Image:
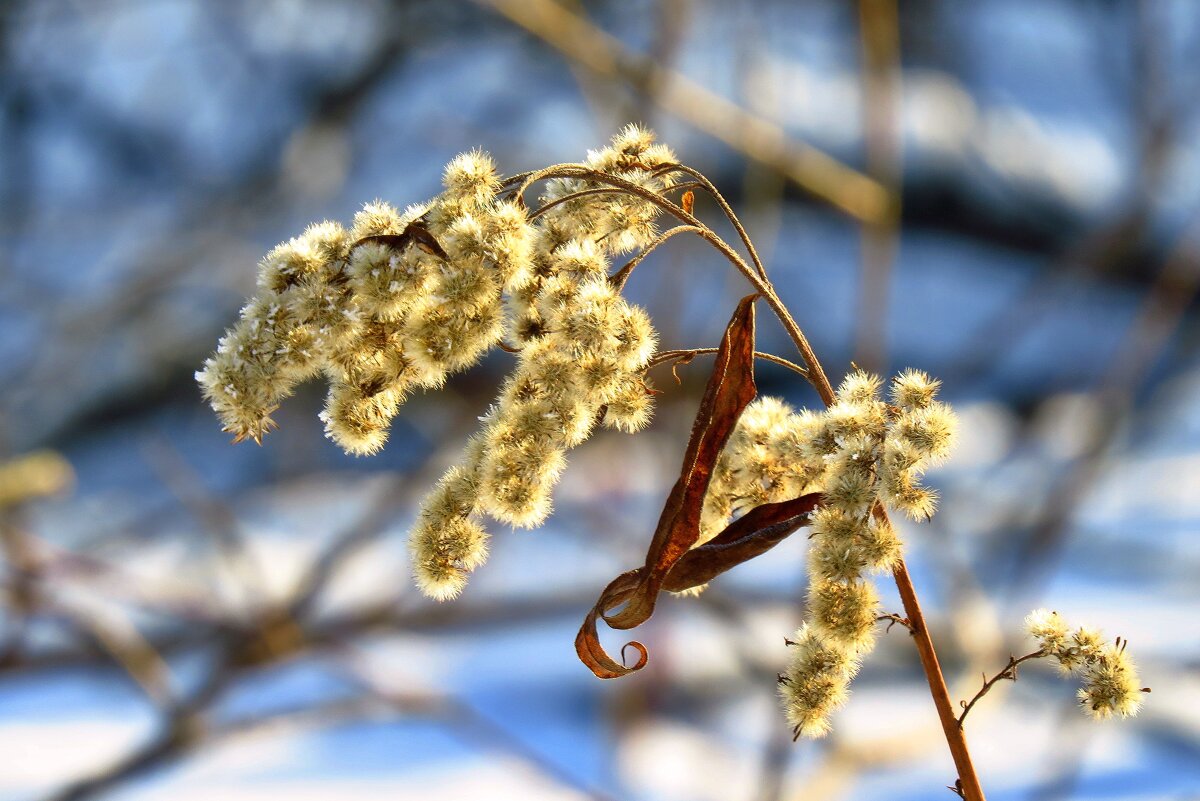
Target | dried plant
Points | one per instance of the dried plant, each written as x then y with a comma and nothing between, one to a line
404,299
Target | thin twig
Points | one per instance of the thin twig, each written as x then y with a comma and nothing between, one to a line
727,210
604,190
618,279
892,618
1009,672
685,356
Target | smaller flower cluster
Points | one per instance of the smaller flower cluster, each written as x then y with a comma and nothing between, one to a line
860,453
1110,680
816,681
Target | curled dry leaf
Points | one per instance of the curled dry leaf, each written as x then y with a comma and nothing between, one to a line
730,389
629,599
751,535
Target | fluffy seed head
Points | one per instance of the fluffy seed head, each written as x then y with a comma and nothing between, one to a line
378,218
855,419
582,259
387,282
930,431
510,244
846,548
849,487
913,389
359,422
1048,628
844,612
443,554
635,337
470,178
815,683
915,501
631,407
859,387
1110,685
1110,680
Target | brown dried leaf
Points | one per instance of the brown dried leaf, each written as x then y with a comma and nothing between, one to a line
587,642
730,389
751,535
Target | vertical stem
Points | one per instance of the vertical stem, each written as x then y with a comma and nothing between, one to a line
971,789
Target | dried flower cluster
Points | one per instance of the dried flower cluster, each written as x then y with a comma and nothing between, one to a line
859,452
1110,680
403,300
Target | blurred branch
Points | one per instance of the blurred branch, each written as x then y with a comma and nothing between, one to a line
1162,311
465,721
34,475
121,640
759,139
214,516
879,28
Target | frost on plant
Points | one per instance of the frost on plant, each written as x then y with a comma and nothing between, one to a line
404,299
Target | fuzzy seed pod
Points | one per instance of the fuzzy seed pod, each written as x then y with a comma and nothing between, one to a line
631,407
930,430
859,387
1048,628
471,181
447,543
1110,685
913,390
844,612
845,547
815,683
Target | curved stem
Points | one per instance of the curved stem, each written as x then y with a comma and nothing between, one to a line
606,190
815,375
686,355
1009,672
709,187
618,279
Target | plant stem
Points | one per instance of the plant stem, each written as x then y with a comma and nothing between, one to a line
684,356
955,739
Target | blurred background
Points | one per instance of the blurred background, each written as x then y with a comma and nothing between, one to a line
1005,193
